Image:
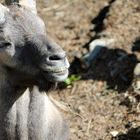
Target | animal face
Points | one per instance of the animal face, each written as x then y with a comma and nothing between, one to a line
26,49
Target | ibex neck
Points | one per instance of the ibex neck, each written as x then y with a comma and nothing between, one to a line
9,108
27,116
8,94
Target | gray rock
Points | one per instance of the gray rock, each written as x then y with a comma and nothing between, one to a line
95,48
137,70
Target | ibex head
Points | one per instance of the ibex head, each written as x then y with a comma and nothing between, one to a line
26,51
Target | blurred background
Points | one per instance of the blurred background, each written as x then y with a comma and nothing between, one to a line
100,99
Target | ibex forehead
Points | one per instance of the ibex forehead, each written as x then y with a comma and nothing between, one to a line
21,23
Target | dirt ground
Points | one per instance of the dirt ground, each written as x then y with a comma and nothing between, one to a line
104,103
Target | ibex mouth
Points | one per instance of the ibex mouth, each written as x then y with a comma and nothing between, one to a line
56,73
55,67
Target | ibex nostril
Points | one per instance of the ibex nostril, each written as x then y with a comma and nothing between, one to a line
55,58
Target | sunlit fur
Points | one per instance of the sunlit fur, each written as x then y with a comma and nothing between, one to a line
26,113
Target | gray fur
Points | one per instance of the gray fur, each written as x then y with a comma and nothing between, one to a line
28,64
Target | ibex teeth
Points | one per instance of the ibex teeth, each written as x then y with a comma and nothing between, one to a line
56,70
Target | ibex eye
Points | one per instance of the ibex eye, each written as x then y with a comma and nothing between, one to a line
4,44
7,44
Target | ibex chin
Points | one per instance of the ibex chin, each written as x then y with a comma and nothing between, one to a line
30,63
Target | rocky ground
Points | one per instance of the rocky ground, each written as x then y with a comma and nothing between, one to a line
104,103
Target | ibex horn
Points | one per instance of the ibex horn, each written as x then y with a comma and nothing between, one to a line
30,4
3,9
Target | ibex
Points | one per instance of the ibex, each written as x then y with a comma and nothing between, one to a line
30,63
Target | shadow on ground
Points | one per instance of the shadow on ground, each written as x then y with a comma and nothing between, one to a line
98,22
136,45
132,134
115,66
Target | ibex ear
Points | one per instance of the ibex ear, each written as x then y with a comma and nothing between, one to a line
30,4
3,9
